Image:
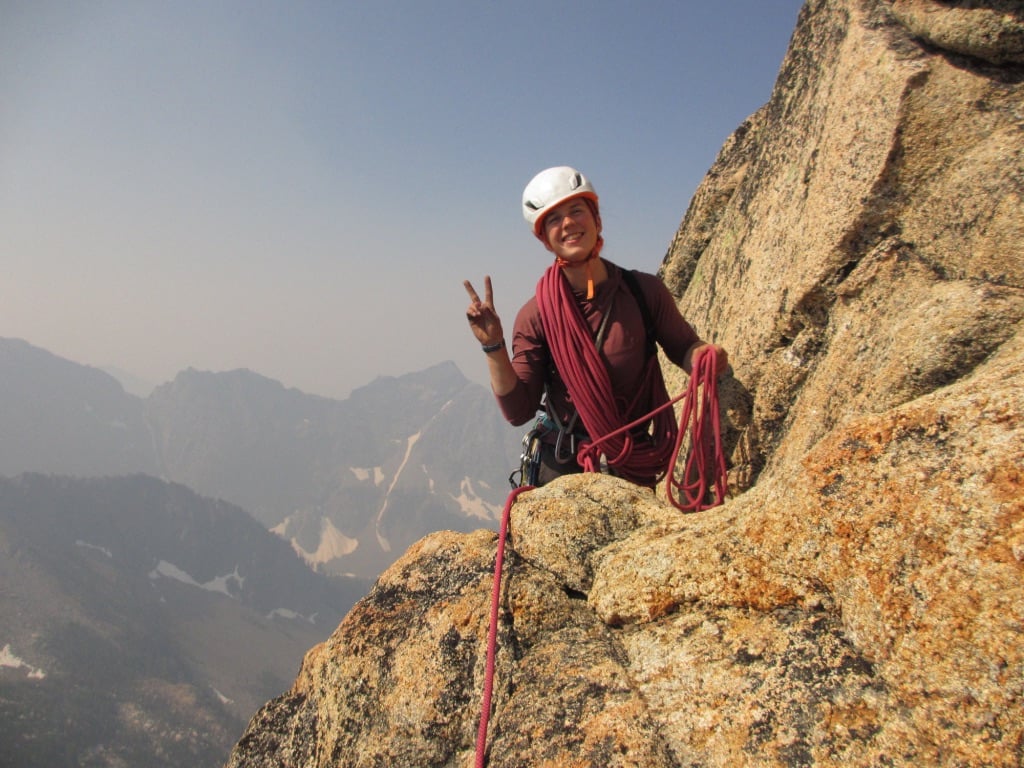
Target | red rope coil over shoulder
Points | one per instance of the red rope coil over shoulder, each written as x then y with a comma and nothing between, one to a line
583,371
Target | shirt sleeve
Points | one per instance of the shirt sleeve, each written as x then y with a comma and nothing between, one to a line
530,360
674,333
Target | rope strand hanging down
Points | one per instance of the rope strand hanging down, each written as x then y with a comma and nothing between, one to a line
492,630
704,467
705,464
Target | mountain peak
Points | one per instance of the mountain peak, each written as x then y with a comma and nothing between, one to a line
442,377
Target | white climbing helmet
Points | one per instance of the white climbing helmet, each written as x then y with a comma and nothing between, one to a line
550,188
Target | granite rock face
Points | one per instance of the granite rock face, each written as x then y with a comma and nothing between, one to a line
857,247
857,243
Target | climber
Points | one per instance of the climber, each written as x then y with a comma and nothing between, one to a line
583,347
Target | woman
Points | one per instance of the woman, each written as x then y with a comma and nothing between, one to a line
585,343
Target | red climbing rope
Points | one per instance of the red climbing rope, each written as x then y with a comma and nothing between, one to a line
492,631
705,460
704,467
579,363
587,379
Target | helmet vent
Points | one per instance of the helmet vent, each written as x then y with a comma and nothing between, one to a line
577,180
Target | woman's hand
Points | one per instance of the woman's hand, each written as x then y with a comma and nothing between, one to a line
486,326
483,319
721,357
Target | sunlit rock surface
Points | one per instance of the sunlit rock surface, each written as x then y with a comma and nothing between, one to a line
859,601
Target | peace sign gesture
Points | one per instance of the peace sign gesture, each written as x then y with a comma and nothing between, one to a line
483,319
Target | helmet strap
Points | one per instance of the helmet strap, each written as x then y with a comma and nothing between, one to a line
563,263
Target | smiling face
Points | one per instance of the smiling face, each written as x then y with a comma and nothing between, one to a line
571,229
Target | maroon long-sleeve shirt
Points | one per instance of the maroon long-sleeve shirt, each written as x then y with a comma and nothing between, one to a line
623,351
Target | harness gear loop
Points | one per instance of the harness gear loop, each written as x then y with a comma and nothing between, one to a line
563,456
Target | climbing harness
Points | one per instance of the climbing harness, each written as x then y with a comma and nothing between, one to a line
528,472
568,437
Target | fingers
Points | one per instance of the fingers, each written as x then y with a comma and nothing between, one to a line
474,296
699,352
723,360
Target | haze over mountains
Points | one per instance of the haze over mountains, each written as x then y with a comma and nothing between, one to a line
147,608
350,482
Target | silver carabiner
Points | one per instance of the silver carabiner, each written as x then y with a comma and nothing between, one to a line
564,430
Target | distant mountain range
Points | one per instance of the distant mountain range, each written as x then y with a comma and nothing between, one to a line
60,417
351,483
166,562
143,624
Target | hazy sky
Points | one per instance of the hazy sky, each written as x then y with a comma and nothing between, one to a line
299,188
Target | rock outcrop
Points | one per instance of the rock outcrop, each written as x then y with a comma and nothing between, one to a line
860,601
857,243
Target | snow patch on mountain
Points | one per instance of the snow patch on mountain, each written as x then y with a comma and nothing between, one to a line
221,697
382,541
363,474
471,503
11,661
87,545
287,613
217,584
332,544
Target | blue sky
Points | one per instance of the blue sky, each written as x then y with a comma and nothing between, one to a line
299,188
